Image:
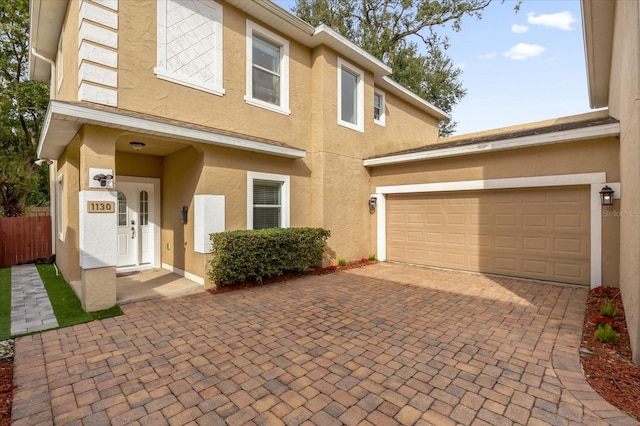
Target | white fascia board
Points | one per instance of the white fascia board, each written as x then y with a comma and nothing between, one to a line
584,133
45,26
79,114
265,10
401,91
325,35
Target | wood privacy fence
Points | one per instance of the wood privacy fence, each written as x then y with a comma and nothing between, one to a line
24,240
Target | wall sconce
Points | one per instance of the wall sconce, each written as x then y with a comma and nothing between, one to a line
137,146
42,161
373,201
103,179
184,213
606,196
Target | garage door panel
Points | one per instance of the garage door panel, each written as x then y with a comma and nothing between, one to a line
540,233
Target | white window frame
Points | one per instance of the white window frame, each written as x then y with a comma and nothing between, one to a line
59,209
383,107
344,65
161,68
283,108
60,63
285,196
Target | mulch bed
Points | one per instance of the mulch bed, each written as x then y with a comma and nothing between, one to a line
6,392
609,369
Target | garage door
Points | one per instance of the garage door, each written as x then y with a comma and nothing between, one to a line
536,233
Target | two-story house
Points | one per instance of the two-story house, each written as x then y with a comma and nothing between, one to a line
172,119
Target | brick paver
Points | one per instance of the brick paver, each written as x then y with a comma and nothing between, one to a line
385,344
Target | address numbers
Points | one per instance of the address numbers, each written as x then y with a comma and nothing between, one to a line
101,206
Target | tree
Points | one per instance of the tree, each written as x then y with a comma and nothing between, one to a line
394,30
23,105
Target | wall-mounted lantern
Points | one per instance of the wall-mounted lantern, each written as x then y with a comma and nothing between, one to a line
184,213
373,201
606,196
102,178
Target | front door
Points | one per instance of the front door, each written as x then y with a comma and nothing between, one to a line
135,225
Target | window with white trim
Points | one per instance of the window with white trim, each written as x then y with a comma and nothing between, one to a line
59,210
267,81
268,200
379,107
190,44
350,96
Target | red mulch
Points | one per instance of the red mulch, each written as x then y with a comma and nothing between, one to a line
6,392
610,370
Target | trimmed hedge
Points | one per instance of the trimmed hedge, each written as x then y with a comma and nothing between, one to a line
249,255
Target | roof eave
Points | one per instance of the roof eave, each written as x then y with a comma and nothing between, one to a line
407,95
584,133
45,26
597,23
63,120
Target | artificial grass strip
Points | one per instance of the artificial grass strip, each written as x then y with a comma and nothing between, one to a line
65,303
5,303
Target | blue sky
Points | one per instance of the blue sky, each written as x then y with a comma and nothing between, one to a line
518,67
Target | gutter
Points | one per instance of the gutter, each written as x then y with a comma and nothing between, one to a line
52,89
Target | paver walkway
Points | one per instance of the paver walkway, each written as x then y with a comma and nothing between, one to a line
385,344
30,306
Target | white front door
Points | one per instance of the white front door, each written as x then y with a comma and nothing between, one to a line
136,219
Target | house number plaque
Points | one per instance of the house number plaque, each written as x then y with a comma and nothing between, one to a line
101,206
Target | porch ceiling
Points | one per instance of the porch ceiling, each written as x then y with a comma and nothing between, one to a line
64,120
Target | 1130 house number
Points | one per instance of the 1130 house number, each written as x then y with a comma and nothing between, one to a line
101,206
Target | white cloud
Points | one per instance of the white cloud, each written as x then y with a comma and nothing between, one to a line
487,55
519,29
522,51
560,20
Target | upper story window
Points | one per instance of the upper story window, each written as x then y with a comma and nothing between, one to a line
378,107
268,198
350,96
267,69
190,44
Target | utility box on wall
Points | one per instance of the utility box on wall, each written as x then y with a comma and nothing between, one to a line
208,217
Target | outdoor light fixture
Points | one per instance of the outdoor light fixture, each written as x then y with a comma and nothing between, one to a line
184,214
606,196
103,179
372,204
42,161
137,146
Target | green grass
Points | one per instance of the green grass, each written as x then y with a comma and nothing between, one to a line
5,303
66,305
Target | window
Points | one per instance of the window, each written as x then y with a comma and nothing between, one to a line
350,96
59,198
144,208
378,107
190,44
122,209
267,69
267,200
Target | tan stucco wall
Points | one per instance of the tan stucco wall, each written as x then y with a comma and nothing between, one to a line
128,164
624,104
67,248
598,155
68,90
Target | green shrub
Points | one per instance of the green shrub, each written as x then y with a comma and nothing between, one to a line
608,310
372,257
252,255
606,334
342,262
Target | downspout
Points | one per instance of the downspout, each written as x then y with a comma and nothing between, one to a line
52,91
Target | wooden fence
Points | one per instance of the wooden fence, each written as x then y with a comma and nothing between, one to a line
37,211
24,240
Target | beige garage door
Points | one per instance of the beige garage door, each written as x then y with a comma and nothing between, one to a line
533,233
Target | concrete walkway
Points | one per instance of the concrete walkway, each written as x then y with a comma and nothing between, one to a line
30,306
381,345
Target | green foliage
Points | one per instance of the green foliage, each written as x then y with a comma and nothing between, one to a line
372,257
252,255
342,262
64,301
5,303
606,334
608,310
394,31
23,106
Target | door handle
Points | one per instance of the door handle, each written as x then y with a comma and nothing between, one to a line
133,232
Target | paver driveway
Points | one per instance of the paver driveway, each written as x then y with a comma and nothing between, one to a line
384,344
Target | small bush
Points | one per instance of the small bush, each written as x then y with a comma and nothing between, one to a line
372,257
342,262
608,310
252,255
606,334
